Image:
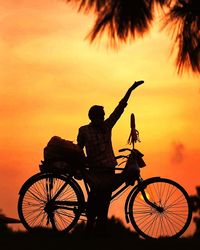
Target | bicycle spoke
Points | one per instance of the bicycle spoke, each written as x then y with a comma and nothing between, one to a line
37,207
170,214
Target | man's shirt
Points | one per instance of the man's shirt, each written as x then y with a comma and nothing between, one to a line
97,141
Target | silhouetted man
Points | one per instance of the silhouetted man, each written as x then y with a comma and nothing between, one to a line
96,138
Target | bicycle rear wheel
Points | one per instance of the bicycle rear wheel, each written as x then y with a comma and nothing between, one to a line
172,216
38,208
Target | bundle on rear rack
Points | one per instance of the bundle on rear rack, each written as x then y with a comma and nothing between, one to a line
62,155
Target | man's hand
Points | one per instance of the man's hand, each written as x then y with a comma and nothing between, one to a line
136,84
128,93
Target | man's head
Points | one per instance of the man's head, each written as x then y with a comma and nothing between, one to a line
96,114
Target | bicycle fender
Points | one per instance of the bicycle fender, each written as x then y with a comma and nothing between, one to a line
31,179
23,187
143,183
35,176
127,203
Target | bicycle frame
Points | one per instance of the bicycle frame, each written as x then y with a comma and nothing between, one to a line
70,204
141,185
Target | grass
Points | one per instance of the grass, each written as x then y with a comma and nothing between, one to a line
120,238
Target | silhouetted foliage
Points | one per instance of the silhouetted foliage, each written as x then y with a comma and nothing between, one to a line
195,199
115,229
4,228
126,19
119,238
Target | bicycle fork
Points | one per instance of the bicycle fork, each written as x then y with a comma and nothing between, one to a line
158,208
141,186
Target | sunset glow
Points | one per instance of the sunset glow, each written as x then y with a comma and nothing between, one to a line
51,75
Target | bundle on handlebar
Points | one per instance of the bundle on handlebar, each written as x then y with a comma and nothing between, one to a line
135,155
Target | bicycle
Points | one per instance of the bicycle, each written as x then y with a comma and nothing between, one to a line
156,207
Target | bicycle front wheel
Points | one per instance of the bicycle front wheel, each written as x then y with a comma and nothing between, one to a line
171,215
38,207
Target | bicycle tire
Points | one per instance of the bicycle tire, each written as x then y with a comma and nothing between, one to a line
36,195
174,217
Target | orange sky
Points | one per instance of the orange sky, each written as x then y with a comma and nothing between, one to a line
50,76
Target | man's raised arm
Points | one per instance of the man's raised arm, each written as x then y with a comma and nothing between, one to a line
128,93
112,119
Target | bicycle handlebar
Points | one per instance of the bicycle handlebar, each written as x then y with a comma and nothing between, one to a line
121,156
125,149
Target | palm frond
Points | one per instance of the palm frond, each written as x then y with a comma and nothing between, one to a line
184,21
163,2
123,19
120,18
88,5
